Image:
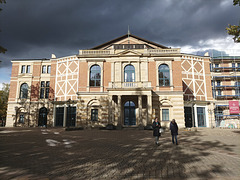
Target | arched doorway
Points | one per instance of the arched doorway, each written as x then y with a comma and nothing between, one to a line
129,113
42,119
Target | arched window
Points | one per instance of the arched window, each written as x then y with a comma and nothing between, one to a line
164,75
95,76
24,91
129,73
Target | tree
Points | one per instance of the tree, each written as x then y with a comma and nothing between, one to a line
2,49
4,102
234,30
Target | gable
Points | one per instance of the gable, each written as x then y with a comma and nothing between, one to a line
129,41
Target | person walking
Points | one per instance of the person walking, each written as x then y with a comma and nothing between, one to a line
174,131
156,127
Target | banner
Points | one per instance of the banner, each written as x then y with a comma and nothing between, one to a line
234,107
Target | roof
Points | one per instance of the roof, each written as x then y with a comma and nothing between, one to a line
126,36
43,59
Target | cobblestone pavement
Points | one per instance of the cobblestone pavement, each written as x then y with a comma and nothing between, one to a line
35,153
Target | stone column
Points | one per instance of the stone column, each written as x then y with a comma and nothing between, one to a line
65,115
140,110
110,110
195,114
119,110
149,109
54,114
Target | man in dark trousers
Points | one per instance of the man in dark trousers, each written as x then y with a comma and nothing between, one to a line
156,126
174,130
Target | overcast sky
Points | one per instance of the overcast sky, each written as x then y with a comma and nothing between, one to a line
36,29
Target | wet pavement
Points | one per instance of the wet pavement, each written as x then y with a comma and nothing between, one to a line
53,153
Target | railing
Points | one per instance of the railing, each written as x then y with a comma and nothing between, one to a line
226,87
129,85
226,77
95,52
225,69
148,51
164,51
227,96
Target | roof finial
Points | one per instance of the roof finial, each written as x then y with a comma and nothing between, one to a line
128,34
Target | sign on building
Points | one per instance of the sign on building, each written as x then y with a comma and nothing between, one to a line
234,107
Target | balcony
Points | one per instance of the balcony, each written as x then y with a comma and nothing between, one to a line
126,85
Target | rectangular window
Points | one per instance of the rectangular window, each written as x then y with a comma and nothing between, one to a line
233,65
214,93
211,67
216,65
44,69
28,69
44,89
49,69
94,114
237,91
213,83
238,66
47,89
219,92
165,114
21,118
23,70
218,83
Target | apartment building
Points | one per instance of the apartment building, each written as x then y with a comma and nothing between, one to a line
125,82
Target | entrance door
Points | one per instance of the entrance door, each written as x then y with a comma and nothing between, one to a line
59,116
42,120
129,113
188,116
201,117
71,116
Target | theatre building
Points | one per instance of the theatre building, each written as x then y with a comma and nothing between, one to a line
125,82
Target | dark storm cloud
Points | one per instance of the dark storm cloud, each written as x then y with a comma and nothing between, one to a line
35,29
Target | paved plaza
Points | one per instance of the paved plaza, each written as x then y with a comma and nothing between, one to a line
38,153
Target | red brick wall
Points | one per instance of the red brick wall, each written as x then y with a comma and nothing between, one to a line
208,79
152,74
177,75
83,73
106,75
13,84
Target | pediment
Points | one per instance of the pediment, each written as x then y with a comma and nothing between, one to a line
129,52
129,39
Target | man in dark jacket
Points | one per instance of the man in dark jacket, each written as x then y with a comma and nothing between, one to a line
174,130
156,127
